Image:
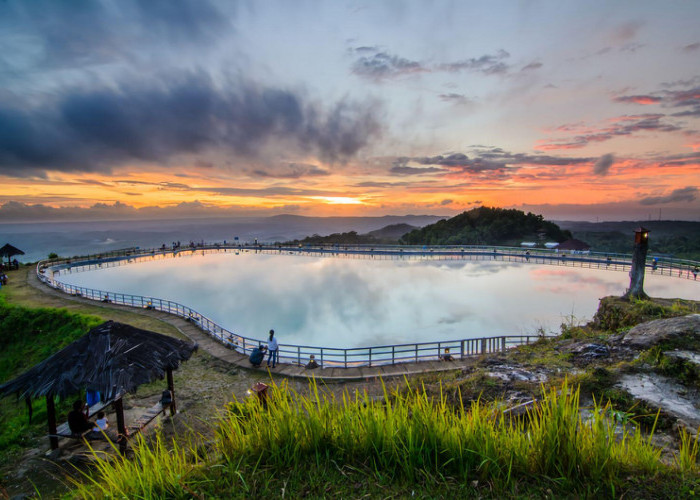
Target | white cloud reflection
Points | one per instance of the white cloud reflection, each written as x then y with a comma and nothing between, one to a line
352,303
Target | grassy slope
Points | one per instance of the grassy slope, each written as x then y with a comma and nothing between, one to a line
211,471
32,327
407,445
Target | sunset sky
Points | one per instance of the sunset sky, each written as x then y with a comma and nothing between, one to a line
573,109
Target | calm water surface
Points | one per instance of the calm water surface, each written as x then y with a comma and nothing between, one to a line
341,302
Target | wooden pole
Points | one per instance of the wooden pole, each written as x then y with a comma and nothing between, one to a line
51,414
121,428
639,258
171,388
28,400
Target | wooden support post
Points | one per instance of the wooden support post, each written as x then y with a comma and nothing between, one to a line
51,414
28,400
171,388
121,427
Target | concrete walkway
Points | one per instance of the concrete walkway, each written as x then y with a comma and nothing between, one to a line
218,350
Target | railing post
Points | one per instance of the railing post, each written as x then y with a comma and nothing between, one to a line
393,356
461,349
416,353
503,344
345,352
322,356
483,346
370,357
299,355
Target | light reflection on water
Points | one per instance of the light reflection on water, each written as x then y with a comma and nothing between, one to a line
355,303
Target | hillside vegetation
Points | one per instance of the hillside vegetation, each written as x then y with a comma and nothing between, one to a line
385,236
28,336
677,238
487,226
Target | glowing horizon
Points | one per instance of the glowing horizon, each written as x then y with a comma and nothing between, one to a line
240,111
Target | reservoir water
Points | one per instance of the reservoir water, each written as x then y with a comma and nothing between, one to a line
344,302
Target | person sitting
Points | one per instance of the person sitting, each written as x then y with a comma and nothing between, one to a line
78,420
312,363
101,423
166,401
257,356
447,356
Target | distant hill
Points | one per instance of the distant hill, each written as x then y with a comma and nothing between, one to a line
670,237
392,232
487,226
385,236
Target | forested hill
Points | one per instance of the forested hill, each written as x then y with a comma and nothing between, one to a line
487,226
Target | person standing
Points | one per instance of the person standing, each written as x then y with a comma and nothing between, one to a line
272,348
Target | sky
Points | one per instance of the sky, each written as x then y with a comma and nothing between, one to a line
165,108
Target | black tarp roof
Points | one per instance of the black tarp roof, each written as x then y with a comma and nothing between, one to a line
113,358
8,251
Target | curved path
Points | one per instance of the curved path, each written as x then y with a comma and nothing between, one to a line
216,349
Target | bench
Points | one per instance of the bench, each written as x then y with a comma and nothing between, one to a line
147,417
64,431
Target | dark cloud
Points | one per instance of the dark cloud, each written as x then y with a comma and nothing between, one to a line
532,66
691,47
406,170
375,184
687,194
625,125
602,166
381,65
639,99
73,34
293,171
680,160
458,99
494,162
688,98
446,202
378,65
488,64
97,129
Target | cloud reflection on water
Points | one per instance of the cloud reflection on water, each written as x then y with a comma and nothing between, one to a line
344,302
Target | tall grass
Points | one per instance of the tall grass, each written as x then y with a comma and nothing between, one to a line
409,436
406,436
156,470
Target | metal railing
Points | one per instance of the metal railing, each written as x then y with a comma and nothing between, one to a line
343,357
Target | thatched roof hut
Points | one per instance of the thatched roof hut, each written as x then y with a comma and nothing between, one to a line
9,251
112,358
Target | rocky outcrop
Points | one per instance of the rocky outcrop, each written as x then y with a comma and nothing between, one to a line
651,333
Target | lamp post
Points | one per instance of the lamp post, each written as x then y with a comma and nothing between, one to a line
639,258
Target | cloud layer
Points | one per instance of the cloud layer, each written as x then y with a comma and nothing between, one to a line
97,129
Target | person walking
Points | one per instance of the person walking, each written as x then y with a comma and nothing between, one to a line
272,348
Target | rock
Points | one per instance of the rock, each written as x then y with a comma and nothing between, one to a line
692,357
587,351
664,393
511,373
54,454
651,333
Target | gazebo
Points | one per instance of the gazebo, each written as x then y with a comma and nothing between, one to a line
112,358
9,251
